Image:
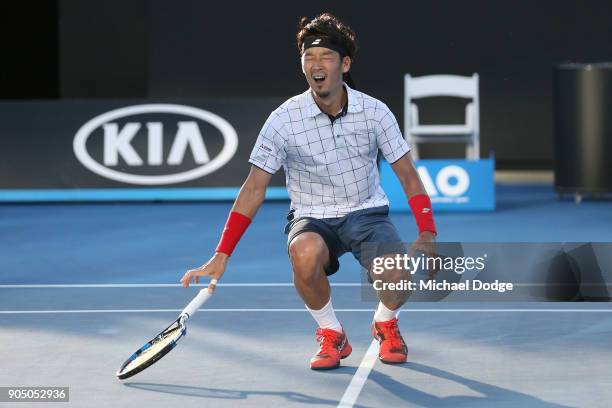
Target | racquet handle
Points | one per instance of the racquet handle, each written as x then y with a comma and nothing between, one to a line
197,301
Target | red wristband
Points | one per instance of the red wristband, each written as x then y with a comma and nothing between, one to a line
423,213
234,228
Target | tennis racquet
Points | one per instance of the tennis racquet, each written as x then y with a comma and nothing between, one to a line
165,341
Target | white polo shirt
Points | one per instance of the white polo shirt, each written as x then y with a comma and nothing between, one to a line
330,168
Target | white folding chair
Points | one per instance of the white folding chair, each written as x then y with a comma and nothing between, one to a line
442,85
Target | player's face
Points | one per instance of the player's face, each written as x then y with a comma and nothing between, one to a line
323,69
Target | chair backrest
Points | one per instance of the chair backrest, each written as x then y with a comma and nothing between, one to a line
441,85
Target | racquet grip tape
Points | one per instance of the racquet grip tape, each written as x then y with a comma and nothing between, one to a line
197,301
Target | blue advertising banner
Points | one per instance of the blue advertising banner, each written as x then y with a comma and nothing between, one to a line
452,185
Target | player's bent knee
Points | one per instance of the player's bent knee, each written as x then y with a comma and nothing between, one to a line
306,247
307,251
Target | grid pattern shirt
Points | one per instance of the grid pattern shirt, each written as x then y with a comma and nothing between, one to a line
330,168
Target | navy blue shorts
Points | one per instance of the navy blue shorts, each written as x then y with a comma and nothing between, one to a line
370,226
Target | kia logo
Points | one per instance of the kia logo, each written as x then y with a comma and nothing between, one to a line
117,142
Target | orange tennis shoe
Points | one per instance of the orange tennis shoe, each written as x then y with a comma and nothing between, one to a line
333,346
393,349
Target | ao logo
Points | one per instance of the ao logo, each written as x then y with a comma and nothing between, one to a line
443,184
117,142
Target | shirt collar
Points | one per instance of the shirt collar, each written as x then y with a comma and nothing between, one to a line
354,104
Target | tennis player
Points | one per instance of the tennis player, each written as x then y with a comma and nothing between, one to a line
327,140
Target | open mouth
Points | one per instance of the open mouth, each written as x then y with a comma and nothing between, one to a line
319,78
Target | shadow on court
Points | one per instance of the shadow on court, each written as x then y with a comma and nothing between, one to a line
492,395
229,394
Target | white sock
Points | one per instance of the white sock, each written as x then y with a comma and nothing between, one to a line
326,318
384,314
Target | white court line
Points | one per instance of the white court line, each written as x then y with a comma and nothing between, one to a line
304,310
361,375
163,310
176,285
153,285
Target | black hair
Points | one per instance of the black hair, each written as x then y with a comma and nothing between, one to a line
329,26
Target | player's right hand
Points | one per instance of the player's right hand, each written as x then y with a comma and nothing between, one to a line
426,243
215,267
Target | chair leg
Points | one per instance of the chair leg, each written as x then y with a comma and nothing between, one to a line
477,147
472,151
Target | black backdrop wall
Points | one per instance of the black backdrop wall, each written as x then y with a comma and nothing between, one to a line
194,48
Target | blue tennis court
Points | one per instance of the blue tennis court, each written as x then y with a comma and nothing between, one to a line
82,285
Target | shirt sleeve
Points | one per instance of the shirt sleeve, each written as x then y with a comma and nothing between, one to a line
388,135
269,152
